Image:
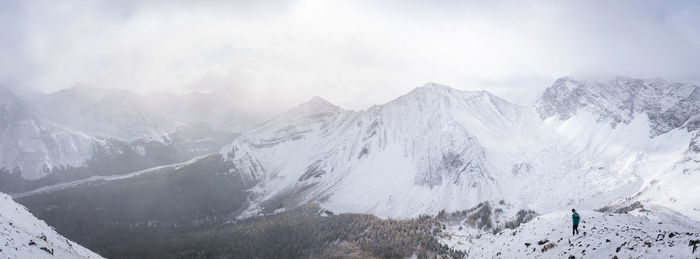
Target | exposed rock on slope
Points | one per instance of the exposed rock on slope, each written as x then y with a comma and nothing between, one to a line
24,236
618,100
641,234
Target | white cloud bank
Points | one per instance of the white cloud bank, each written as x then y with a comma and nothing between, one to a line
354,53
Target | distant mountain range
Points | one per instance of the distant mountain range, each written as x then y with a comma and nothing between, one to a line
585,144
85,131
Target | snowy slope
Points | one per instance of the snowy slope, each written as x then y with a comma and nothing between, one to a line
83,131
655,233
24,236
584,145
105,112
434,148
649,131
621,99
676,187
34,145
348,158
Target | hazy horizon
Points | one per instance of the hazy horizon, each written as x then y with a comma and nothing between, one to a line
352,53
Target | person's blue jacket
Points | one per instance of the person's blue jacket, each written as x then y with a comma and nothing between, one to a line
576,218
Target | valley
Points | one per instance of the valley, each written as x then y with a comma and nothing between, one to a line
466,172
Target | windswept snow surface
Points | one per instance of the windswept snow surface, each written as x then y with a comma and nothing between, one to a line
24,236
585,145
655,233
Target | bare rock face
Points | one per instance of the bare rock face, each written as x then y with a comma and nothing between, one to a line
620,99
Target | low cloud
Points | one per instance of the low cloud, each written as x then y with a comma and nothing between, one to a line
354,53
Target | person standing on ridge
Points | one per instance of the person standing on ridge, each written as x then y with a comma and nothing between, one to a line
576,219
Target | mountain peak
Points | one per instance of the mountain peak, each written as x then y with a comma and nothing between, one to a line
314,105
317,100
442,91
84,91
432,85
318,103
610,81
430,89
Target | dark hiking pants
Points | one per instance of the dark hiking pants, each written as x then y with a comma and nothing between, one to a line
575,231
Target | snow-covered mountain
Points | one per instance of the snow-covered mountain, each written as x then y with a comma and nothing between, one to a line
396,159
25,236
114,113
642,129
105,112
619,100
35,146
84,131
585,144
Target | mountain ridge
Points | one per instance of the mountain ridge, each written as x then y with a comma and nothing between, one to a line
84,131
434,150
438,147
501,120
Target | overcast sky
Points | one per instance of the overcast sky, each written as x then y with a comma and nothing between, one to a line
353,53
